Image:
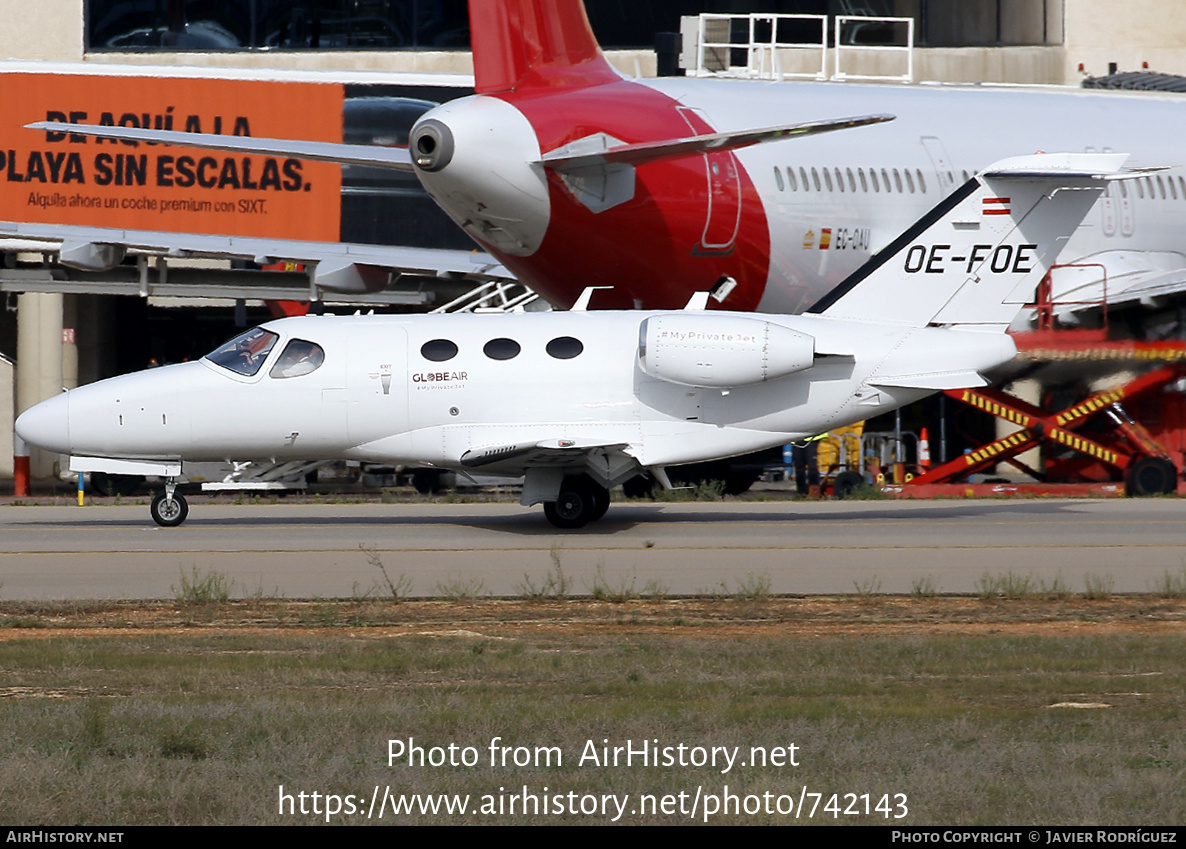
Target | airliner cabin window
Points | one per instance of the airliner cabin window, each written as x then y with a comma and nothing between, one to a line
299,357
565,347
501,349
791,179
245,353
438,350
778,178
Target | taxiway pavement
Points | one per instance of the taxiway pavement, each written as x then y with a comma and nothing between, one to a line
332,550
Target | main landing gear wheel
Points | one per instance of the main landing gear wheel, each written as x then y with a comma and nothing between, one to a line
169,511
580,502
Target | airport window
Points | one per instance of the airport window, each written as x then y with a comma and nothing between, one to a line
245,353
565,348
791,179
438,350
778,179
501,349
299,357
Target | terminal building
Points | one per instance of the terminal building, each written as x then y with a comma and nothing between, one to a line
72,316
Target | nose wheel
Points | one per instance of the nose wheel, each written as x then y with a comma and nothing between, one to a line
169,508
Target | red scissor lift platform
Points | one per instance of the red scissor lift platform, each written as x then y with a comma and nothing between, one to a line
1129,439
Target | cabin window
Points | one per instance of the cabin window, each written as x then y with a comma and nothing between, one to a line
803,179
864,183
852,181
828,180
909,182
839,180
1123,189
501,349
245,353
1140,188
791,179
778,179
1160,187
885,180
815,178
565,347
873,178
438,350
898,180
922,184
299,357
1173,189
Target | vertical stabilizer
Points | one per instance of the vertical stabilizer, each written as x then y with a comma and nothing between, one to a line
976,258
522,44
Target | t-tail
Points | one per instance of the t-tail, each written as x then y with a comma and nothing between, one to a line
977,257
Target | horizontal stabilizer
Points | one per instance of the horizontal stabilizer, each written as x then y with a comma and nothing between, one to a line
343,154
579,156
1046,166
935,382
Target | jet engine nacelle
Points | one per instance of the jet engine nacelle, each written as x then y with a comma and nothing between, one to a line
707,350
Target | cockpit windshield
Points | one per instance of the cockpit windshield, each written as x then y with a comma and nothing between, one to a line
298,357
246,353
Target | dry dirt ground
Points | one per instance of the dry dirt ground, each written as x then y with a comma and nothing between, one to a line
724,617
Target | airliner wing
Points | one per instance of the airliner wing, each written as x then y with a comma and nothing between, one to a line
373,156
343,268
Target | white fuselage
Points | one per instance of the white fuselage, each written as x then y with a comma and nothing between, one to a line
377,397
941,135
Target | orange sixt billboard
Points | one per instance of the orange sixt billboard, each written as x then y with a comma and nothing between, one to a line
64,178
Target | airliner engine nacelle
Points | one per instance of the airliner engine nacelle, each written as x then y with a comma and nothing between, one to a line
479,159
720,351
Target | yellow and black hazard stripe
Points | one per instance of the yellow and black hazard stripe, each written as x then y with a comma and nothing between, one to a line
978,401
1084,446
999,447
1089,406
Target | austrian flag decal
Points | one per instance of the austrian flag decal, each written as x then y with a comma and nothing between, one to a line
996,206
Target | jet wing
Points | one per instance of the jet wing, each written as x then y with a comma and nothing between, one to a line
373,156
553,453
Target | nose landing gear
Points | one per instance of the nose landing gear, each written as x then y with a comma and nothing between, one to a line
169,508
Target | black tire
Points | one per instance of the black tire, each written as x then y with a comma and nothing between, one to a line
846,483
427,481
601,494
169,512
577,504
1151,476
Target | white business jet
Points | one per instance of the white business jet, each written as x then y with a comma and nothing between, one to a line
580,401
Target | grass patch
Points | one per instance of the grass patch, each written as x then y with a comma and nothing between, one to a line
1010,585
1097,587
1171,585
202,589
923,587
753,587
617,591
461,590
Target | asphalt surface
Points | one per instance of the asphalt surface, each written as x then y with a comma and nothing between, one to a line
333,550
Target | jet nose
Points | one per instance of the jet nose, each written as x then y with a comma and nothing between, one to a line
47,425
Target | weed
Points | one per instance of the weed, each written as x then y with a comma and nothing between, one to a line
752,586
184,745
1171,586
198,589
1010,585
400,588
656,590
1058,589
867,492
923,587
1098,587
705,490
456,590
868,588
617,593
